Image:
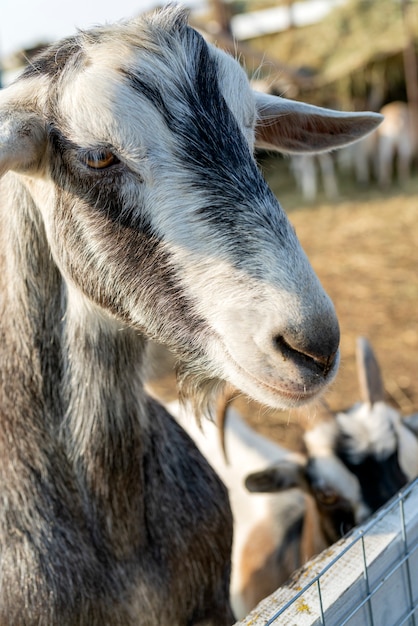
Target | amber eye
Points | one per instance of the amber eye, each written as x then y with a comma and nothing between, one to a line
328,497
100,159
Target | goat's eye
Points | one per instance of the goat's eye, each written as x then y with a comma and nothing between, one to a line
100,159
327,497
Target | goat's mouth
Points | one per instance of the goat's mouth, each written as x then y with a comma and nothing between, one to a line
281,393
298,396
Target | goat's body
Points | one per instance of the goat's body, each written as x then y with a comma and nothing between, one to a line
397,141
88,465
267,544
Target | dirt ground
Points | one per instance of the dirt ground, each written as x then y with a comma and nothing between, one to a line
364,248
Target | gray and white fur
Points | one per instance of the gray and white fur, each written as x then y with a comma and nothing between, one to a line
132,207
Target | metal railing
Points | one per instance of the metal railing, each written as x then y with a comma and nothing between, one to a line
369,578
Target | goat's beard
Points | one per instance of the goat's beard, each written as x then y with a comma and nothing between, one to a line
191,376
197,389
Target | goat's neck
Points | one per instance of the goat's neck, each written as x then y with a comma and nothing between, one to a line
74,375
102,387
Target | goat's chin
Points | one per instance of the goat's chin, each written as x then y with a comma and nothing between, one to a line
285,387
285,399
281,396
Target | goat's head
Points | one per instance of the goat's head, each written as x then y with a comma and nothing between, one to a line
136,143
336,511
314,517
370,440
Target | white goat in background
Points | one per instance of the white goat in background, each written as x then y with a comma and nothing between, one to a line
397,142
385,156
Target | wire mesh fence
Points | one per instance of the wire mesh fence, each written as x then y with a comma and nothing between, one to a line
369,578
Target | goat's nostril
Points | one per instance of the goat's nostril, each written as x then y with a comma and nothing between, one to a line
326,362
323,362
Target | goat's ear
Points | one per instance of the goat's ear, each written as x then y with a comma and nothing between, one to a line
411,422
368,370
22,141
278,477
291,126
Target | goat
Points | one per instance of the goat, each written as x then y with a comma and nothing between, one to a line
289,506
397,137
274,533
371,439
394,142
357,460
129,196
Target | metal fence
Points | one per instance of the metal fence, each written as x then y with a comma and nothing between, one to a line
369,578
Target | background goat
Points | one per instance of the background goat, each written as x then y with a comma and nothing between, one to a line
397,142
301,503
130,196
371,439
273,533
386,155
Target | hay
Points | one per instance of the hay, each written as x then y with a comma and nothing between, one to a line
357,33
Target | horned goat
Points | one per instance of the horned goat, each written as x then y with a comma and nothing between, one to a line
371,438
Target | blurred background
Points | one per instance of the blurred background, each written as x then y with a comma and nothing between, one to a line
355,211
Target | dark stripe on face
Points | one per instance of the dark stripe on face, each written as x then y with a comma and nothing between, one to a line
211,147
152,93
209,138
